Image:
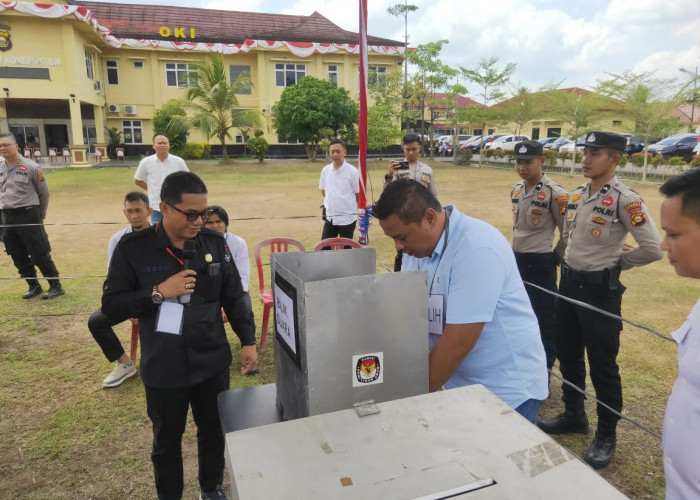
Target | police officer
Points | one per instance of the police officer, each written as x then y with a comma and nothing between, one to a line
539,207
598,217
24,198
410,168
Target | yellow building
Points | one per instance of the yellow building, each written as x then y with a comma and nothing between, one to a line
70,70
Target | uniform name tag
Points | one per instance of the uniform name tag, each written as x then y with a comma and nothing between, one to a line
436,313
170,318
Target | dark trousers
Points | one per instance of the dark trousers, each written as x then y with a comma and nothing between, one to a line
540,269
167,409
28,245
332,231
580,329
101,328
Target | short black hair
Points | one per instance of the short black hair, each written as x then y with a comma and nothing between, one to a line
11,136
132,196
686,185
407,199
410,137
179,183
221,212
338,141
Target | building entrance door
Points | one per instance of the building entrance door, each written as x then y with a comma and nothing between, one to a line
56,136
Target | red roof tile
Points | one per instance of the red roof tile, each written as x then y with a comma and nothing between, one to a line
221,26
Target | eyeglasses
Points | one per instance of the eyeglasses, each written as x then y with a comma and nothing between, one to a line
6,145
193,216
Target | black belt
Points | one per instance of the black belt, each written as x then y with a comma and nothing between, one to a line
590,277
18,210
534,257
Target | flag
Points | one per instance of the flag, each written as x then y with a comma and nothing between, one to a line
362,215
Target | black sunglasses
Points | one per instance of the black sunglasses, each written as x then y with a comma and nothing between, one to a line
193,216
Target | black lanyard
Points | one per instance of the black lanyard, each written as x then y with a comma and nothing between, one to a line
448,212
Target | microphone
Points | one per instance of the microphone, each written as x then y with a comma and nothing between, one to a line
189,251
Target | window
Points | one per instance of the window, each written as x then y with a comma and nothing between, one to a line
287,141
88,65
133,133
617,123
239,139
237,71
333,73
287,75
112,73
376,74
180,75
138,64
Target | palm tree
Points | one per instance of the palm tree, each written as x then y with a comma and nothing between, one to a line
213,101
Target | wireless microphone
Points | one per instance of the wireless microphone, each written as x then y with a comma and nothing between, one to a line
189,251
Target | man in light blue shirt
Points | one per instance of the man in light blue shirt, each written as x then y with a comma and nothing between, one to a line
482,328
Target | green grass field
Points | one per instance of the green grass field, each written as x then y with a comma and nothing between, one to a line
66,437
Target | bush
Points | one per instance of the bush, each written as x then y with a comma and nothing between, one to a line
637,159
657,160
488,153
676,161
499,153
465,155
196,151
695,162
258,146
623,160
551,158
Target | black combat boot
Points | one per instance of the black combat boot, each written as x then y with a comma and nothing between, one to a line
568,422
601,451
34,289
55,290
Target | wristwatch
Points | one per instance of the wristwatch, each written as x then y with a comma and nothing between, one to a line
157,296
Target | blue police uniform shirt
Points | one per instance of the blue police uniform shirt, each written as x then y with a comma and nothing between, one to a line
479,279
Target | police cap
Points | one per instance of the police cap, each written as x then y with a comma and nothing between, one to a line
606,140
526,150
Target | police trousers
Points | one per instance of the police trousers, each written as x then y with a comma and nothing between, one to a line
167,409
579,330
540,269
28,245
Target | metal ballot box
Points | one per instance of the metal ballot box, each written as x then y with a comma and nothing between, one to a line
460,443
344,334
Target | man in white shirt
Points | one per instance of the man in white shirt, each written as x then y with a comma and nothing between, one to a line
136,211
680,218
340,185
153,169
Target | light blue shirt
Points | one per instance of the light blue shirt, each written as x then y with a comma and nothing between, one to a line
479,279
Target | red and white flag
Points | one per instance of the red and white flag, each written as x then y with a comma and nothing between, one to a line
363,217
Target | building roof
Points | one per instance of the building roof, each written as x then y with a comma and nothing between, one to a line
446,101
221,26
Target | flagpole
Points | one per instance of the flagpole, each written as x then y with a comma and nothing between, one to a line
363,216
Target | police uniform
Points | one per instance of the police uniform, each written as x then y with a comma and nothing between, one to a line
24,197
185,369
537,213
419,172
597,224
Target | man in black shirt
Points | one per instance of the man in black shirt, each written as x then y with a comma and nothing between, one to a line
185,355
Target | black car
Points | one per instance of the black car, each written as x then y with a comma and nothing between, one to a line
676,145
635,144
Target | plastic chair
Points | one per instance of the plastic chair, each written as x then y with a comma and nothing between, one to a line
53,155
276,245
27,153
120,154
134,341
37,155
66,155
336,244
98,155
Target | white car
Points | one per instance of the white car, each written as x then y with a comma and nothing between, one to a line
506,142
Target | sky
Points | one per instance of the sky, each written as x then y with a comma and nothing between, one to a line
571,43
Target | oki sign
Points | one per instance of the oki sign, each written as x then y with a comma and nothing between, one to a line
176,32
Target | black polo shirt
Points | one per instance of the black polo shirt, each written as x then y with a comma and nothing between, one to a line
146,258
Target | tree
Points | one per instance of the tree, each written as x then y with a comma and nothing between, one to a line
258,145
311,105
403,10
383,127
648,101
491,80
212,99
171,120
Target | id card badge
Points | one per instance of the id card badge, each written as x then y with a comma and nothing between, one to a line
436,313
169,318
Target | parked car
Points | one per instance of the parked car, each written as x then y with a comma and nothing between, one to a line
547,141
676,145
507,142
464,144
475,145
696,149
557,143
635,144
568,147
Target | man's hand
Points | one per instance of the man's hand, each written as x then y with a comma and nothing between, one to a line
627,248
182,283
249,358
393,166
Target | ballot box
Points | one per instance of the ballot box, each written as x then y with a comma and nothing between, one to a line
345,334
460,443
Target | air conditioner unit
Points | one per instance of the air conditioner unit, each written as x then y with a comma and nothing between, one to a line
130,109
99,86
113,108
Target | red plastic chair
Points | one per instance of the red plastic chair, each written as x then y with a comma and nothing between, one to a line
120,154
336,244
66,155
53,155
27,153
37,155
98,155
276,245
